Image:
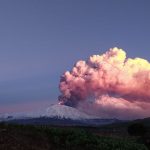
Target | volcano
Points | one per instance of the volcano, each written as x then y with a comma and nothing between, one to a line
53,111
57,115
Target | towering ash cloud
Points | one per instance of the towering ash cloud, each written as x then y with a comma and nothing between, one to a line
109,85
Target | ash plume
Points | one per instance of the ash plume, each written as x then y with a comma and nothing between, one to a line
108,85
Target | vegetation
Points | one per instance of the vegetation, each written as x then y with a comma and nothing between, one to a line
137,129
29,137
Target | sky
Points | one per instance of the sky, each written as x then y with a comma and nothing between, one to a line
41,39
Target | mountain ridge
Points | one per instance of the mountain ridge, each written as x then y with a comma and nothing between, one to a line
53,111
57,115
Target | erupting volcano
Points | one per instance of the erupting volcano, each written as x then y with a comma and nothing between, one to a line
108,85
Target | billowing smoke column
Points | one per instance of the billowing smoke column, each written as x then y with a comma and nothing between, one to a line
108,85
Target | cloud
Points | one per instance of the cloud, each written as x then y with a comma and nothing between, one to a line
110,85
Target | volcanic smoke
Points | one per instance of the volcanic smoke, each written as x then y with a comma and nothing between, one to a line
108,85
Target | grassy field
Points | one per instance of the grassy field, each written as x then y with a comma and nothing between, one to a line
29,137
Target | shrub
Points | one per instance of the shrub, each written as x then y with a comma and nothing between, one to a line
137,129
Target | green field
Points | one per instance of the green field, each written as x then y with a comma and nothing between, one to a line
29,137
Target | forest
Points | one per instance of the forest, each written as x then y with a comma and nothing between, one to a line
32,137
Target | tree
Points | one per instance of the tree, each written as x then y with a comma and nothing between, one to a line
137,129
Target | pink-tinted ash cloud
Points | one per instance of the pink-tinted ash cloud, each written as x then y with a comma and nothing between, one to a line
109,85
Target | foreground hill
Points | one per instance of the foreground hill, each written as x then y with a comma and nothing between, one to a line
29,137
125,124
145,121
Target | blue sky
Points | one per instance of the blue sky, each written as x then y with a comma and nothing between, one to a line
40,39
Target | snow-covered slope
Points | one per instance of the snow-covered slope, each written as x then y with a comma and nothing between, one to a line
62,111
54,111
